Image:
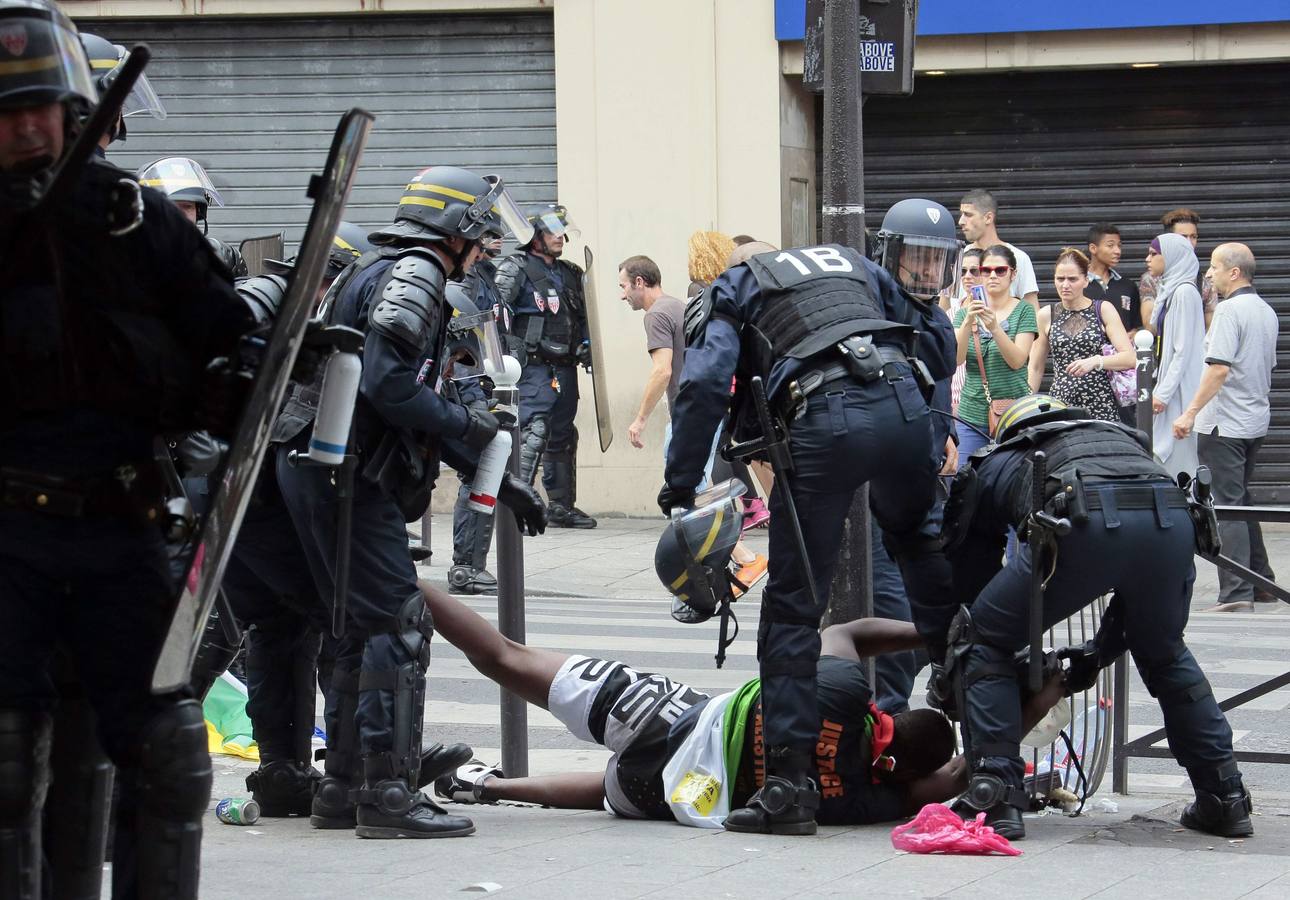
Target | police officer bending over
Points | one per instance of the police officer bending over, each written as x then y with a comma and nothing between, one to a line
1123,509
402,427
548,327
110,311
839,345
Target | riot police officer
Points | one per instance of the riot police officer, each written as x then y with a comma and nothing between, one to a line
106,59
186,183
843,354
472,531
402,427
111,309
544,298
1122,508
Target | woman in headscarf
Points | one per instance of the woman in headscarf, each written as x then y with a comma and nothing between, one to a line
1178,320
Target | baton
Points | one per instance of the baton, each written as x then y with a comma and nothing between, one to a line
1037,536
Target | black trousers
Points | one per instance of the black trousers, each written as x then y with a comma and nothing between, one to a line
1231,460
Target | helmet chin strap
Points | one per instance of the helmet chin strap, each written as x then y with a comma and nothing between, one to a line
459,259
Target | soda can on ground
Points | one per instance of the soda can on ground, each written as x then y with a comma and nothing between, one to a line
238,811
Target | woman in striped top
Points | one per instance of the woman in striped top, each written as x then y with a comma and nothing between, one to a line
1004,329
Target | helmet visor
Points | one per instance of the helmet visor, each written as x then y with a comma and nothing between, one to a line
181,178
559,224
143,100
45,61
926,266
499,204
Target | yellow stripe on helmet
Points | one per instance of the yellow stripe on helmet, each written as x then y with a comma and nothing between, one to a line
708,540
104,63
423,201
440,189
344,244
1025,407
26,66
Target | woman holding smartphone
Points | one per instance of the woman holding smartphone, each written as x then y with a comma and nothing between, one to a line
995,331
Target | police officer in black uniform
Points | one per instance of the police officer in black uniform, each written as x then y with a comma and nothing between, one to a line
110,312
548,327
845,355
106,59
402,427
1123,509
472,531
186,183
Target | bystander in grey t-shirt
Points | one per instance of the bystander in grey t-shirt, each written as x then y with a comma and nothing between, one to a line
1243,336
665,328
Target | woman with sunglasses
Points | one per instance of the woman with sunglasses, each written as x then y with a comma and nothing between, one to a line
1075,330
969,277
1002,330
1178,319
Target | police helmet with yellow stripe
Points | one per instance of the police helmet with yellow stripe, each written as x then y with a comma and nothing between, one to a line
693,554
106,60
1035,409
41,57
446,201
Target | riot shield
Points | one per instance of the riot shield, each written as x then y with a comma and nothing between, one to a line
256,250
231,491
599,386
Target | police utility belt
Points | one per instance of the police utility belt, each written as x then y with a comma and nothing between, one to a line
132,492
1077,499
861,361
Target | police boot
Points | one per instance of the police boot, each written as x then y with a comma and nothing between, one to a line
785,804
1001,803
469,580
283,787
1222,805
332,807
389,808
560,484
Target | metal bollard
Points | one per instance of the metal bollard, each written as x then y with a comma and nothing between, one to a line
1144,342
510,597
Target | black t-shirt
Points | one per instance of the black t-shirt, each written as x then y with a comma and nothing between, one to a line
843,755
1121,293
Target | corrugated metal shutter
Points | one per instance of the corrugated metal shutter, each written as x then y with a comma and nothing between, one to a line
255,102
1062,150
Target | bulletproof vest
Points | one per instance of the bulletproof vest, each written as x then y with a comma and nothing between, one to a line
554,334
1087,450
812,298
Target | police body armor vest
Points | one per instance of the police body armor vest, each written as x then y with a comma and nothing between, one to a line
552,335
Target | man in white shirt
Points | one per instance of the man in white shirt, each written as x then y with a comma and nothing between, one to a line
1230,411
977,213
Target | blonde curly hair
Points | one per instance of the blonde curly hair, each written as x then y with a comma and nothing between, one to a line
709,251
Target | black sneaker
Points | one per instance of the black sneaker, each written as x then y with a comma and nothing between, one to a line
568,517
466,784
1226,816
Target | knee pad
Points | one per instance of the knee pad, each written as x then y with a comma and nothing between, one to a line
414,627
24,764
174,775
533,441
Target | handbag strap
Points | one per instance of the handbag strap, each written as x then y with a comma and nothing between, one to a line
980,363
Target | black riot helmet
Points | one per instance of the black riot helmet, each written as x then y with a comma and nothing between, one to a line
693,554
41,57
106,60
1036,409
550,218
349,243
919,245
181,178
446,201
230,256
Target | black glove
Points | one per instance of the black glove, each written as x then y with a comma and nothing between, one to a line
1085,664
225,389
940,691
583,355
670,497
481,428
524,501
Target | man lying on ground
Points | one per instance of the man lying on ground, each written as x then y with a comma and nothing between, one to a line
871,767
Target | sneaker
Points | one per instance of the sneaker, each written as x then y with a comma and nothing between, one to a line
750,573
568,517
467,783
756,515
1232,606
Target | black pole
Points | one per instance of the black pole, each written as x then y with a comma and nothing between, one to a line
1120,674
851,594
510,605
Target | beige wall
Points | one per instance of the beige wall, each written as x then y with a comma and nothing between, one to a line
667,120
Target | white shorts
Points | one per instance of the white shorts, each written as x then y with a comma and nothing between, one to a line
630,713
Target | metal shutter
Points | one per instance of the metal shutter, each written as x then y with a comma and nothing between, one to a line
255,102
1062,150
